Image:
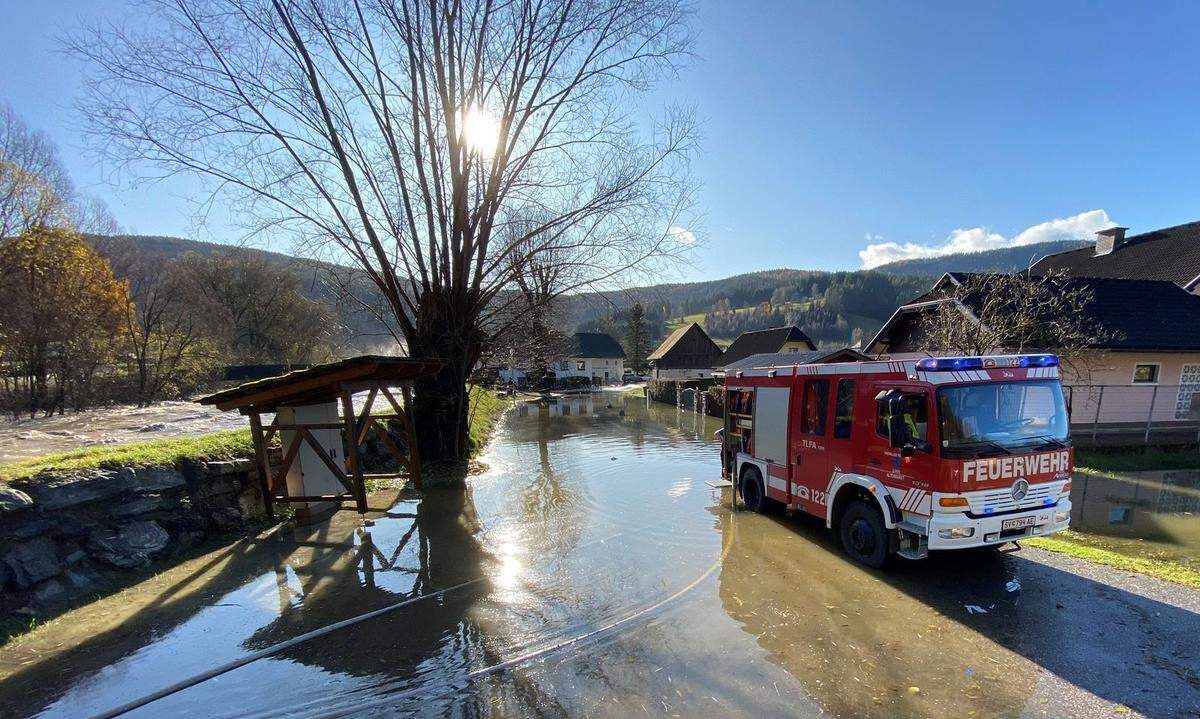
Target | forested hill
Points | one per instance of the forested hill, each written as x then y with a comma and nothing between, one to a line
834,308
1005,259
356,329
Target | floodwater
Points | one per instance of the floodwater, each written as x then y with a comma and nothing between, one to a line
119,424
1155,514
591,572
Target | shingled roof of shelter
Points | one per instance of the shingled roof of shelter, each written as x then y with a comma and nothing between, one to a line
321,382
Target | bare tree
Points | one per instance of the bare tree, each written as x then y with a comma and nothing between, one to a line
35,189
254,308
411,138
167,344
988,313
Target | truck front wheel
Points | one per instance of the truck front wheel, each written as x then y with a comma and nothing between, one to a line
753,493
863,535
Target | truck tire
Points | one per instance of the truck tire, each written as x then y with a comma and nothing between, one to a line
864,536
753,493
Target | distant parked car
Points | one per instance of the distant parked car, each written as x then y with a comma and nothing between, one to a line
630,377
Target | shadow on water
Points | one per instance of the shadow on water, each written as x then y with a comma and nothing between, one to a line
263,591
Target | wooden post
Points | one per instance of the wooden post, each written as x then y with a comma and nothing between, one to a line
414,457
353,457
1096,423
263,459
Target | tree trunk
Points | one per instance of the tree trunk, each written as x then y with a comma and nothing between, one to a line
440,406
440,402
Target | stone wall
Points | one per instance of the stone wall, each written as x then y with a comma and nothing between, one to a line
68,535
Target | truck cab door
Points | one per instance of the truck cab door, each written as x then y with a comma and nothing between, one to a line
904,459
808,444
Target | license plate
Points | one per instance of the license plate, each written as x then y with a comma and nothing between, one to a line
1017,523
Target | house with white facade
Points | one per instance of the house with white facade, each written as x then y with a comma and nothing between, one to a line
597,356
1146,367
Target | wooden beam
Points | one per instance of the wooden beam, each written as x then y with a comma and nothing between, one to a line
288,458
261,457
382,433
299,387
359,386
363,427
337,471
316,498
353,457
414,456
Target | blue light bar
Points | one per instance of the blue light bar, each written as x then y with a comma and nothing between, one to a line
1039,360
949,364
955,364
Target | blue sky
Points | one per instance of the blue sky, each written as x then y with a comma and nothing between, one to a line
832,126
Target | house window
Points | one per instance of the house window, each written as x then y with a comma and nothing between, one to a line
1146,373
563,366
581,365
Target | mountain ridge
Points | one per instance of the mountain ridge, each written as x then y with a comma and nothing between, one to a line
834,306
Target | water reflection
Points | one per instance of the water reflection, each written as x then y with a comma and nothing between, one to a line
1163,507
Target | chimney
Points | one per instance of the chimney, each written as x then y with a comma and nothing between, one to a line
1111,239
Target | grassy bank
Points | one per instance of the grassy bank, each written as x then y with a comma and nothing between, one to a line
1143,558
485,411
156,452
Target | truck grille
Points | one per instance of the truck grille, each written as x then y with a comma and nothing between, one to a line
1000,500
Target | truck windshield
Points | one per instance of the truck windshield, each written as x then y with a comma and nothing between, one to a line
1001,418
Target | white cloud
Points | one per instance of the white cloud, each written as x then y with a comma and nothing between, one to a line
682,235
976,239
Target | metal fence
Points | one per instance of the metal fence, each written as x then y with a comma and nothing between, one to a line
1134,414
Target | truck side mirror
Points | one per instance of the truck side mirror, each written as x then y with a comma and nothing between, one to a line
896,430
895,427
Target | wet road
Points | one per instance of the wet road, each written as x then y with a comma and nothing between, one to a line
597,575
119,424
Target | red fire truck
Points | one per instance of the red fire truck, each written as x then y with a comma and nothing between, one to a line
904,457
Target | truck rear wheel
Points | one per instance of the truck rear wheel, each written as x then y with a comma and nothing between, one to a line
753,492
863,534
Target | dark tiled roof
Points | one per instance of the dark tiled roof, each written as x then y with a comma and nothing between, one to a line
1171,254
764,341
1135,314
597,344
787,359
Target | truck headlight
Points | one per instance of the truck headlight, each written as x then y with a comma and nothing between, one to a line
1060,517
956,532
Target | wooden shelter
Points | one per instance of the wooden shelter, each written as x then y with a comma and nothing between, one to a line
305,407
